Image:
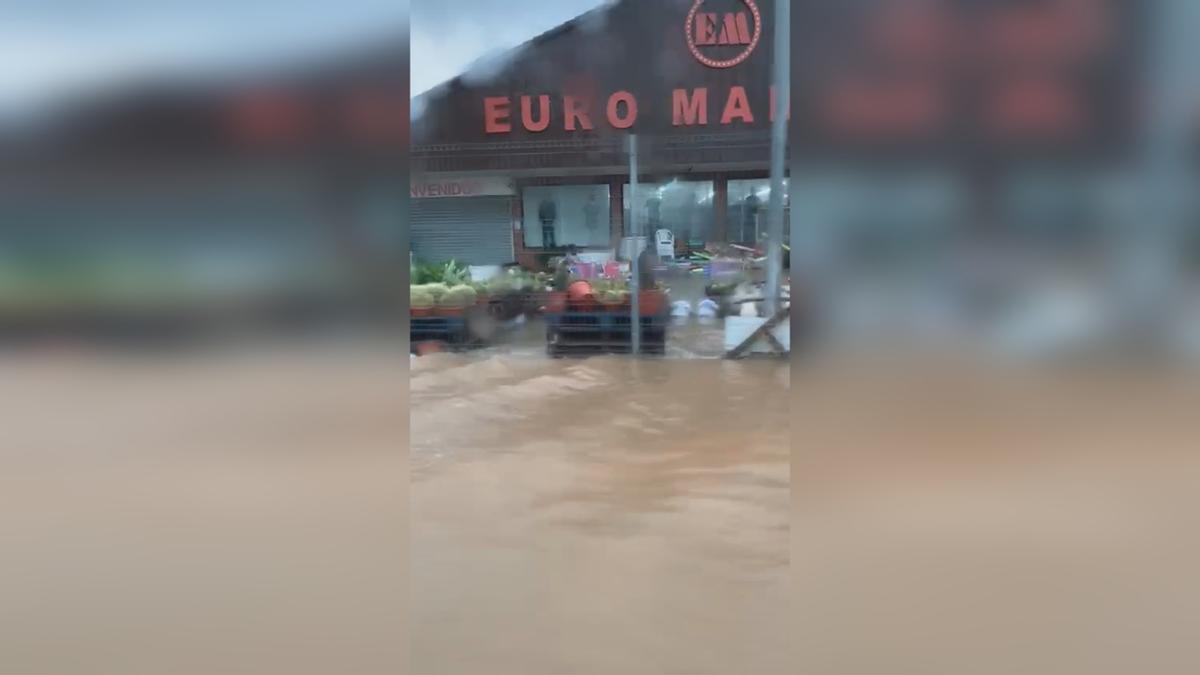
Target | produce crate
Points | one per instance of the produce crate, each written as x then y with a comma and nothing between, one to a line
589,330
508,306
449,331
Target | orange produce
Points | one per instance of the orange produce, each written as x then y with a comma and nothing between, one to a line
579,291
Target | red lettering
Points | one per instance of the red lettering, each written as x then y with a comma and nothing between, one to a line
1034,107
706,24
735,31
743,29
543,121
495,115
689,113
737,106
789,108
574,112
631,110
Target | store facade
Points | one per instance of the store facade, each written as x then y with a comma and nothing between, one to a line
468,219
690,79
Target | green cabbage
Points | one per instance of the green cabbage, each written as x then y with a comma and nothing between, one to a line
419,297
458,296
436,291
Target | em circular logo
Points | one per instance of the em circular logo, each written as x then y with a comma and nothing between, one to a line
720,31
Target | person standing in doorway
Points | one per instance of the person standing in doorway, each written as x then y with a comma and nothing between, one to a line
548,214
647,261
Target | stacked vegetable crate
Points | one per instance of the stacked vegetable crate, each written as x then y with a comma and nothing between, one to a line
447,331
587,327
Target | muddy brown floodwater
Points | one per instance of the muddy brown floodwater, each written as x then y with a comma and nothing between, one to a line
246,513
235,512
605,515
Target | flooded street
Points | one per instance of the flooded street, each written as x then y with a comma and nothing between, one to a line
247,513
239,512
965,518
599,516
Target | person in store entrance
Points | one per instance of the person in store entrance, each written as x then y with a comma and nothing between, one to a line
548,214
647,261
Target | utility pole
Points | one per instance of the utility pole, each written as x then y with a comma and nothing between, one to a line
635,319
781,71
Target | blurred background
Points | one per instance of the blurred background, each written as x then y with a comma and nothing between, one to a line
201,222
179,171
203,234
994,224
1010,176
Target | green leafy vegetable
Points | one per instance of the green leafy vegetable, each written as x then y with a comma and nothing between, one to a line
419,297
458,296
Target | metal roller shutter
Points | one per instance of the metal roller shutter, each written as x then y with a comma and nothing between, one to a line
472,230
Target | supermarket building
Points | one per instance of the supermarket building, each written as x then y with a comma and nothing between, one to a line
530,154
909,122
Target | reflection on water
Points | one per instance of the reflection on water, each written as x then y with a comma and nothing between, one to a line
599,516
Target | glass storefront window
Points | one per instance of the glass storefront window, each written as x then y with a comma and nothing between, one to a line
684,207
746,217
560,215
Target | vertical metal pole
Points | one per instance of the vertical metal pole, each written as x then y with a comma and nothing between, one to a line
783,96
635,322
1150,238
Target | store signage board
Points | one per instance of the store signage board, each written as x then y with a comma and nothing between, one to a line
461,187
719,35
705,30
688,108
1028,78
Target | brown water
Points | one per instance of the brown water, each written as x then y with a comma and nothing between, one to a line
207,513
247,513
599,516
988,520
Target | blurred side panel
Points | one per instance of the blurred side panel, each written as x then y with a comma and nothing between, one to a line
202,355
998,249
263,201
